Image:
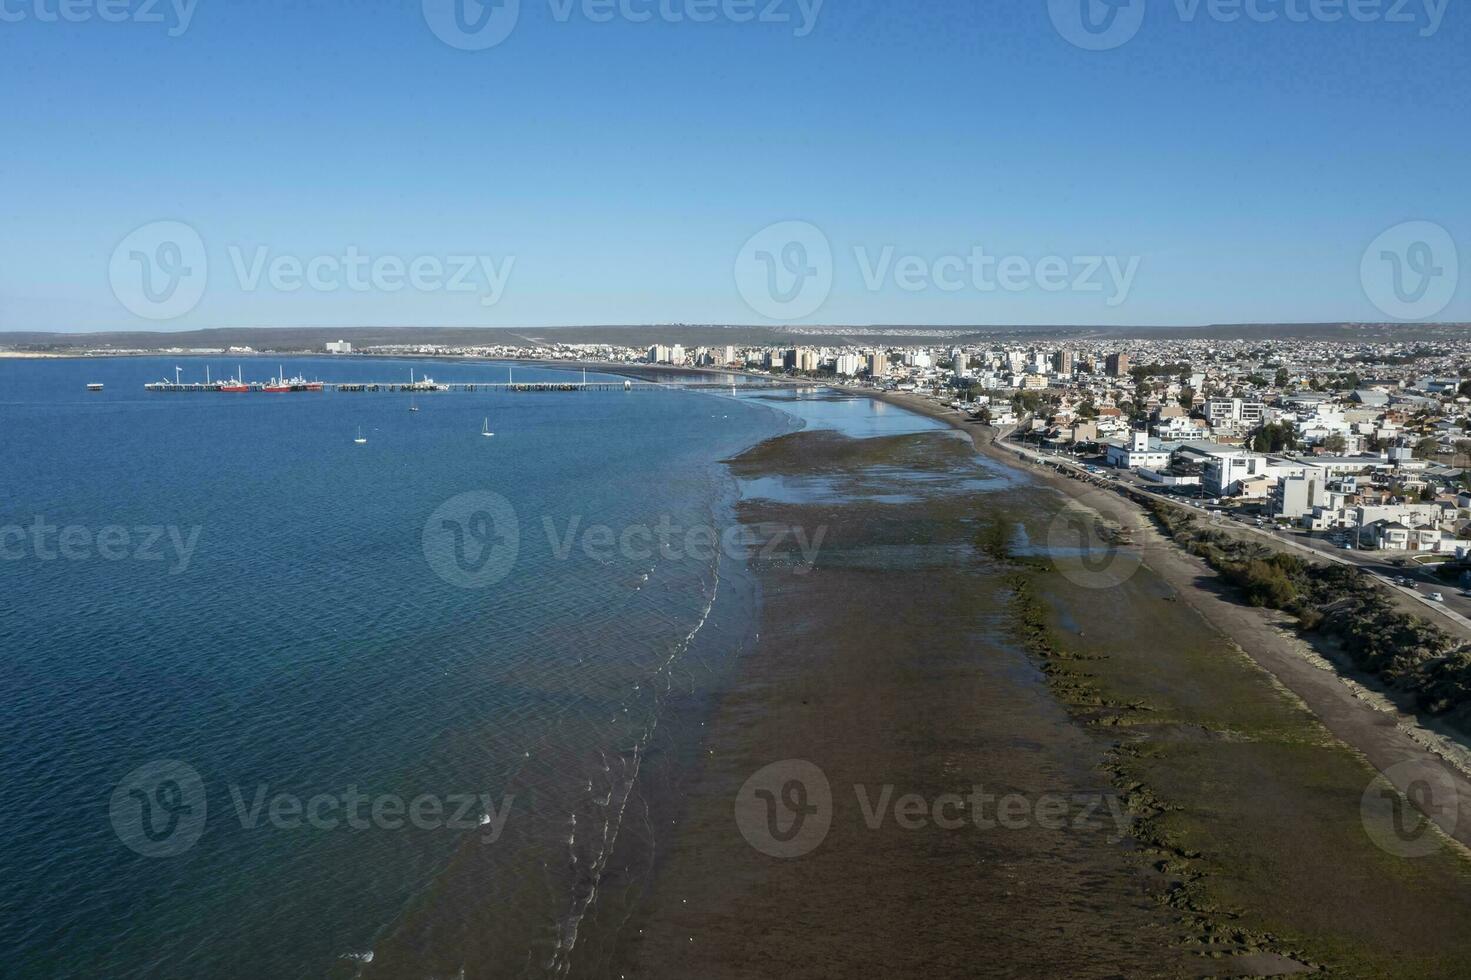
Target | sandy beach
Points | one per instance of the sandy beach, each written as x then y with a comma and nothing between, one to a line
1212,810
1347,703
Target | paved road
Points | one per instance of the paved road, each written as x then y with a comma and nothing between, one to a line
1454,613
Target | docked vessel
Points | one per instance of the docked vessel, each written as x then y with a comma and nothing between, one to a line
282,383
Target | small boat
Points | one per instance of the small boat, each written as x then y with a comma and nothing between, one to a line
94,387
412,406
360,440
485,429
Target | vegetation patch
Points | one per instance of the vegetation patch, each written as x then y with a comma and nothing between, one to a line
1344,604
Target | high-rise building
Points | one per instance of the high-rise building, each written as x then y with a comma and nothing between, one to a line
1117,365
878,364
1062,362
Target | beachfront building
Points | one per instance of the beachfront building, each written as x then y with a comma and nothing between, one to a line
1225,472
1138,451
1395,536
1298,495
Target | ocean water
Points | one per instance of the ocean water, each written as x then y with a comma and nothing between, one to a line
275,703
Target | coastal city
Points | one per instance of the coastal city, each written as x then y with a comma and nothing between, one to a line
725,489
1368,444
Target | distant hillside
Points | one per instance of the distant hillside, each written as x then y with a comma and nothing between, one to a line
313,338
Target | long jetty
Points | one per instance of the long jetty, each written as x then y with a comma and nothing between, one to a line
433,387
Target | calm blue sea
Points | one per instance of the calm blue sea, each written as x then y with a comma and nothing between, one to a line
270,697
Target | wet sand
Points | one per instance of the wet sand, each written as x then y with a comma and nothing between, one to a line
935,647
1390,740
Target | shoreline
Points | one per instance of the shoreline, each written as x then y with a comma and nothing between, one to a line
928,649
1359,714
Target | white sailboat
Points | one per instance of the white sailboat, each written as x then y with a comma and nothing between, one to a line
485,429
360,440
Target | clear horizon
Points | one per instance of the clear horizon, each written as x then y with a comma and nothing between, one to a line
829,164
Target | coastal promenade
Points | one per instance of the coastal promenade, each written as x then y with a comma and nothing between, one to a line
1357,710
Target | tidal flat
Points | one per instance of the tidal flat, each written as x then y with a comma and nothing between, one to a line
941,642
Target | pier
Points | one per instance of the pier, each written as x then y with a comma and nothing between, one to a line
428,387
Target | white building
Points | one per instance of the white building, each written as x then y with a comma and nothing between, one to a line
339,347
1138,452
1234,413
1295,497
1224,473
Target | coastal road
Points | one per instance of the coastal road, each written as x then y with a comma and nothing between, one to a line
1454,614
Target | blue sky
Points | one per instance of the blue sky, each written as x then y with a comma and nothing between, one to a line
613,172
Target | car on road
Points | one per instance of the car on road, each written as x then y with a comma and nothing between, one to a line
1436,597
